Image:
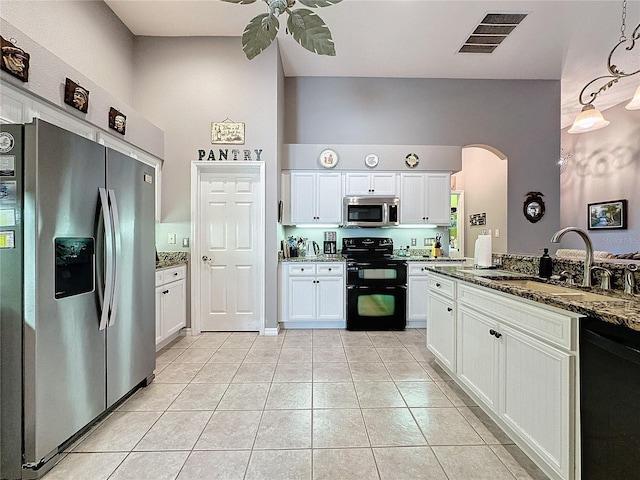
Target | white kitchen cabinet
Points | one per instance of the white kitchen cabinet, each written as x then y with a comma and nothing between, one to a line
425,198
369,183
316,197
417,291
313,295
171,304
441,311
517,359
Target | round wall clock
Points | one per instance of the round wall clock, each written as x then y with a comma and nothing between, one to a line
411,160
371,160
328,158
533,207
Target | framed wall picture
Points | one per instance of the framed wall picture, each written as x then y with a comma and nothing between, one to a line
227,133
610,215
117,121
76,96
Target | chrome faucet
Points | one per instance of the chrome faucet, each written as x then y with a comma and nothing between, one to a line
605,279
588,261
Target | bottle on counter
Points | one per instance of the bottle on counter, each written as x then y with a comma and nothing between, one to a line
546,265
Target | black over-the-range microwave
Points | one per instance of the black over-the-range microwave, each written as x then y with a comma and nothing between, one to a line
371,211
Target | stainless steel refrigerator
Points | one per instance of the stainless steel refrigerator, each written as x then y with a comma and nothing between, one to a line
77,310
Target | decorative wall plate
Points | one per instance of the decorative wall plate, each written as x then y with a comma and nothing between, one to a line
328,158
412,160
371,160
533,207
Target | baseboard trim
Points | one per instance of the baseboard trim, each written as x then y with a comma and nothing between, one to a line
272,332
314,324
416,324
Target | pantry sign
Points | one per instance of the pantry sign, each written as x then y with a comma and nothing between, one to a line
234,154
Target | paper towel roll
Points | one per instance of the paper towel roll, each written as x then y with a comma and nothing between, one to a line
482,253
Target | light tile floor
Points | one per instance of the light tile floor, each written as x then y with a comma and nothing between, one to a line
307,404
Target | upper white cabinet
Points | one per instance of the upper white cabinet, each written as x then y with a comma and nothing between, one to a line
316,197
425,198
369,183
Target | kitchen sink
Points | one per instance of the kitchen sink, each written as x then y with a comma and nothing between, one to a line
559,291
494,273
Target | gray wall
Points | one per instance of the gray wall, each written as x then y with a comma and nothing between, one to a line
183,85
605,165
521,119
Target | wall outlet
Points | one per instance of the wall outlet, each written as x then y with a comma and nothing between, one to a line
414,242
426,242
171,239
185,242
496,232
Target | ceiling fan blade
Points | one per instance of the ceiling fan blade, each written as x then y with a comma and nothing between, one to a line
241,2
259,34
310,31
317,3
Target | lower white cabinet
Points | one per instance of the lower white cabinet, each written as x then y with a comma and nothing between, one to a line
517,359
171,304
417,288
313,295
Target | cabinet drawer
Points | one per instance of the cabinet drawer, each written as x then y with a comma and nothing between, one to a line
171,275
301,269
326,269
551,326
417,269
443,286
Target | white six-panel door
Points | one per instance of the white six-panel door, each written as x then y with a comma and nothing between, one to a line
230,247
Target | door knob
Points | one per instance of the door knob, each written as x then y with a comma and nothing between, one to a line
205,258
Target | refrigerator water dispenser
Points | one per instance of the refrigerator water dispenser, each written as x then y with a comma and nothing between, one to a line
74,266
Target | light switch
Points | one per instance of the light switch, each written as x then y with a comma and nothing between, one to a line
185,242
497,232
413,242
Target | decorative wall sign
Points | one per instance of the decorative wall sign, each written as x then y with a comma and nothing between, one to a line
533,208
328,158
76,96
607,215
371,160
15,61
477,219
6,142
225,155
117,121
412,160
227,132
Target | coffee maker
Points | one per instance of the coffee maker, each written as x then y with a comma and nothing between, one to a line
330,243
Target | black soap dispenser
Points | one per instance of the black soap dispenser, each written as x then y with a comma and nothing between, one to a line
546,265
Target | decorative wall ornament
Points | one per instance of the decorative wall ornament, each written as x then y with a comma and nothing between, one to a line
227,132
371,160
15,61
412,160
117,121
76,96
304,25
611,215
328,158
533,208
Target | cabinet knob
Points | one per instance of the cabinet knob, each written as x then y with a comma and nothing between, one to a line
175,274
438,285
165,292
492,332
498,335
302,269
449,309
329,269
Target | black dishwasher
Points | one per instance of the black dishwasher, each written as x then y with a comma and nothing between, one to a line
609,401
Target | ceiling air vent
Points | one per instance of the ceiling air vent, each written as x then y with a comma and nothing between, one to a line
491,31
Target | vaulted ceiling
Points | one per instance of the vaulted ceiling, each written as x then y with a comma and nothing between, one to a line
558,40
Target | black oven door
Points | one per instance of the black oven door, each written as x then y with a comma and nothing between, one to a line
376,307
376,273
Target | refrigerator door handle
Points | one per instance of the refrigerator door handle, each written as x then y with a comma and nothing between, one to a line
108,276
117,263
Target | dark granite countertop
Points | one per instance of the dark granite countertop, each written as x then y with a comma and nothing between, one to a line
622,309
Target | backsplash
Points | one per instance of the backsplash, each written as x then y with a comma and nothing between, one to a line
529,264
170,259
